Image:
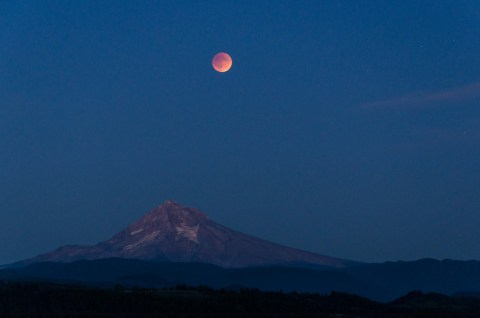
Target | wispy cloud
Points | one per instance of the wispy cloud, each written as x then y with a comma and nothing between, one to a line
452,96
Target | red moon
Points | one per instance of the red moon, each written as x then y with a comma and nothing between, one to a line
222,62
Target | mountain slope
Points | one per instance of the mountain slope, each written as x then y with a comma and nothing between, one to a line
175,233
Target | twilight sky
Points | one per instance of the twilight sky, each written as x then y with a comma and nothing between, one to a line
347,128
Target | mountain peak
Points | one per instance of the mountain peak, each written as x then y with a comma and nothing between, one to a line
170,203
175,210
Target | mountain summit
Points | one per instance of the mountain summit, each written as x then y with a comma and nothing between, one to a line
172,232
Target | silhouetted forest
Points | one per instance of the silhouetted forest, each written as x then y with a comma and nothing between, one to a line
52,300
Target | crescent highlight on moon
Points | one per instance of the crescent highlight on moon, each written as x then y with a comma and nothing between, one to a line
222,62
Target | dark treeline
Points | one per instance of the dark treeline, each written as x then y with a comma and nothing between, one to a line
50,300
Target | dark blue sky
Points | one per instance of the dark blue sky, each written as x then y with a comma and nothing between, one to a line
348,128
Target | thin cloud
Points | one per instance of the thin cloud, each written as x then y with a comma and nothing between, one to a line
452,96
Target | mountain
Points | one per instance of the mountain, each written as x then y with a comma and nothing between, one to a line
173,244
172,232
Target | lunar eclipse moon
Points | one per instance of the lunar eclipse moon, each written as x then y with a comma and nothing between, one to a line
222,62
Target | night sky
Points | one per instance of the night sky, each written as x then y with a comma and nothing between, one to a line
347,128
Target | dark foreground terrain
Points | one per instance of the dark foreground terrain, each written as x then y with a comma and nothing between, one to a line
50,300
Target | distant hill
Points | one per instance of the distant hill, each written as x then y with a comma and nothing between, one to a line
383,282
428,275
128,272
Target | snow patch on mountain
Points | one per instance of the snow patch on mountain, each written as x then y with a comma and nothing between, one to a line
136,232
143,241
188,232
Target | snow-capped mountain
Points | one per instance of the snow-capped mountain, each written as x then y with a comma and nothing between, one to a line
172,232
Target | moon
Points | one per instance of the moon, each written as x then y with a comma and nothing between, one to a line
222,62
